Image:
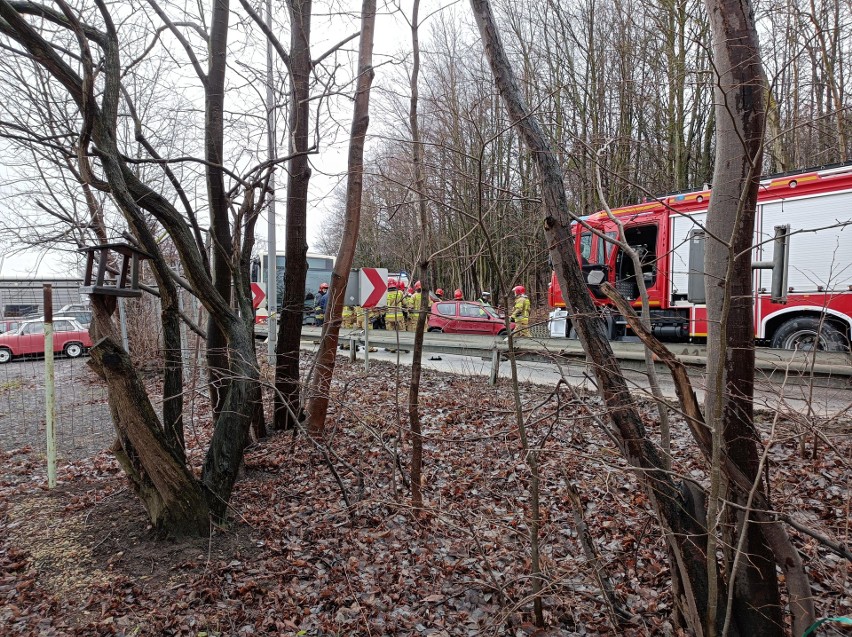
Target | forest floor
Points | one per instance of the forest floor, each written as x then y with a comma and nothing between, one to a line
296,560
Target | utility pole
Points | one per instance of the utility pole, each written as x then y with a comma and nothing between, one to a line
272,253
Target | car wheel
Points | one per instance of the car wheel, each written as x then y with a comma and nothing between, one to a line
436,330
73,350
807,333
503,332
5,355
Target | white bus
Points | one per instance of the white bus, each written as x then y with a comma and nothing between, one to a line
320,267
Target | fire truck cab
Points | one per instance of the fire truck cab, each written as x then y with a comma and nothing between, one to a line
802,257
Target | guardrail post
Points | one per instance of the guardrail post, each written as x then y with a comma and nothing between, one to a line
495,366
353,348
367,343
49,388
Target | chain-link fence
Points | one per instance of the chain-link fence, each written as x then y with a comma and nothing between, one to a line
83,422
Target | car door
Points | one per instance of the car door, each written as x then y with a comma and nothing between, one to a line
31,340
444,317
63,332
473,319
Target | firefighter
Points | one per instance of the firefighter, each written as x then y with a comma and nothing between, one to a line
458,295
320,303
439,296
348,317
394,318
521,310
414,306
408,307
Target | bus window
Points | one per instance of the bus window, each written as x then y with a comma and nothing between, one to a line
317,263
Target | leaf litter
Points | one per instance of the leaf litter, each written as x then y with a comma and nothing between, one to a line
82,560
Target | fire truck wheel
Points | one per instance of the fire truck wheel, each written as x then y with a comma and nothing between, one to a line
804,332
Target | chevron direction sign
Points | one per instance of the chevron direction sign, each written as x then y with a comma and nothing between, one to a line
372,287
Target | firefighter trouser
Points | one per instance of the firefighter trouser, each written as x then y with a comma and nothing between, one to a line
522,326
411,324
360,318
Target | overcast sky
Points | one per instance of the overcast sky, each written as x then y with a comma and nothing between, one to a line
329,166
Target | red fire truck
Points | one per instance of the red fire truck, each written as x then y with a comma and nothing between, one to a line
802,258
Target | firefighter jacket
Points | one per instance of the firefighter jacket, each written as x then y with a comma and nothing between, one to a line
522,307
394,304
414,301
319,307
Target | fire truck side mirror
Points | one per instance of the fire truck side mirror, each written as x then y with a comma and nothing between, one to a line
595,277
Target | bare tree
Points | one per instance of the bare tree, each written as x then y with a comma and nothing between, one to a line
174,499
740,120
318,406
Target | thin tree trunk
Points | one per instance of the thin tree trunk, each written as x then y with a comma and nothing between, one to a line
318,405
217,342
296,242
423,259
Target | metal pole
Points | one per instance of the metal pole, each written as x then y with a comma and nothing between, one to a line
122,320
272,271
367,340
49,388
495,366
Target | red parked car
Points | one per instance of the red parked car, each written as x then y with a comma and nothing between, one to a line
466,317
69,337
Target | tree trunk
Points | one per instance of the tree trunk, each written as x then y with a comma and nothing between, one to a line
740,119
675,505
318,405
422,270
217,343
296,244
169,493
172,374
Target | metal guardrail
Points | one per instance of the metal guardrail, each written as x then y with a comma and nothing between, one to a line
822,368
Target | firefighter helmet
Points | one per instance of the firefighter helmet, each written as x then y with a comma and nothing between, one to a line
391,283
458,295
519,289
417,285
439,292
323,286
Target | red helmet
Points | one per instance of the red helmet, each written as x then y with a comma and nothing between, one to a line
439,292
417,285
323,286
519,289
458,294
411,290
391,283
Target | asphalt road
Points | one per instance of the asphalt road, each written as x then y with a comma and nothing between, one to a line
825,397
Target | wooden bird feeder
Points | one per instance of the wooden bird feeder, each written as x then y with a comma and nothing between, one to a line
97,283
